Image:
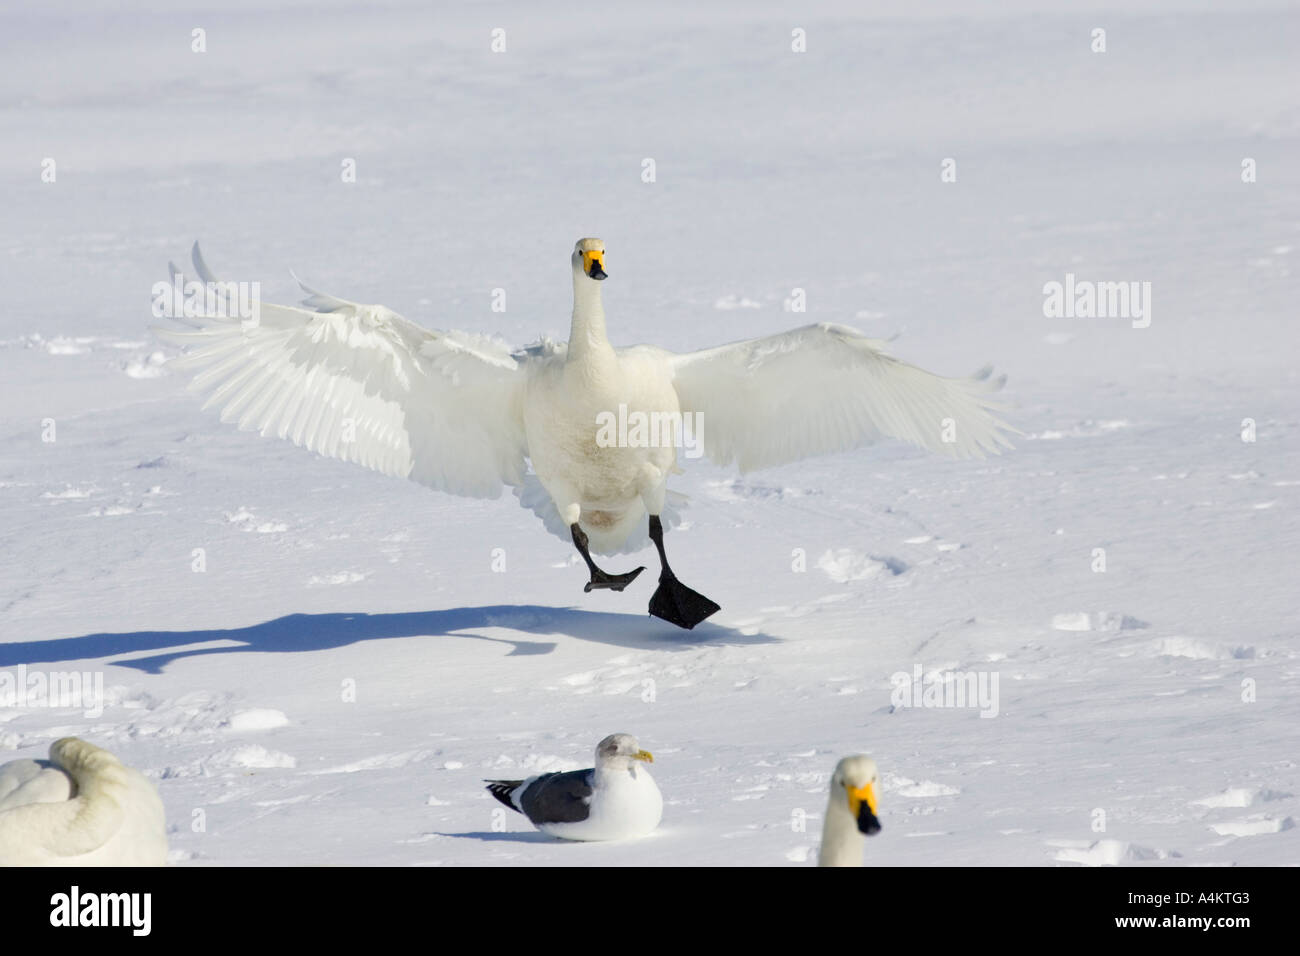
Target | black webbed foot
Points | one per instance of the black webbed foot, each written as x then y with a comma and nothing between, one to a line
614,582
676,603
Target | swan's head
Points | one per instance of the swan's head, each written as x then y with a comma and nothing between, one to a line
854,782
589,258
621,752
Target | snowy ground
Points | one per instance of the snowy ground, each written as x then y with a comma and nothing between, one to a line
1119,692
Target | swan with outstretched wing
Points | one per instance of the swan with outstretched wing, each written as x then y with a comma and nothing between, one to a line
600,426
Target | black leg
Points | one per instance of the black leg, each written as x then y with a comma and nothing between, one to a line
657,536
673,601
599,578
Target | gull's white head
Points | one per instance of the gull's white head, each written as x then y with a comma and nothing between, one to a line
621,752
853,786
589,259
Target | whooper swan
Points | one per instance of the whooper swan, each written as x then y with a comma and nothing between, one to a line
463,413
850,813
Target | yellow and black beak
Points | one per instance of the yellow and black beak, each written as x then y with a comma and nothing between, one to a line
593,263
862,804
645,755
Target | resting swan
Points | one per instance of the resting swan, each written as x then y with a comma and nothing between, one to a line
462,413
850,813
82,807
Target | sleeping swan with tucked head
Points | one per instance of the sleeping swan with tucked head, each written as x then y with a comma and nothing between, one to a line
82,807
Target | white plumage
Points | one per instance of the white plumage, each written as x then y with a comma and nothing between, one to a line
83,807
827,388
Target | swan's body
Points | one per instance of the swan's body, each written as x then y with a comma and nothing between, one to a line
465,414
83,807
610,488
617,799
850,812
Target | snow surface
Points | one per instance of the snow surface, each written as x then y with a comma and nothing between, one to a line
1120,693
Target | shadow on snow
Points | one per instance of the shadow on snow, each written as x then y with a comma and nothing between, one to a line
295,633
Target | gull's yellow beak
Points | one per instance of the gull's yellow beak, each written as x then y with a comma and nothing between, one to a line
593,263
862,804
645,755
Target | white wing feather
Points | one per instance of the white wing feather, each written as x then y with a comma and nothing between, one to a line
362,384
827,388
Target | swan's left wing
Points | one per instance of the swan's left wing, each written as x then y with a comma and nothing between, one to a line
361,383
827,388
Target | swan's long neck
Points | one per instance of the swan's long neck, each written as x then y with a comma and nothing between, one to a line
587,340
842,841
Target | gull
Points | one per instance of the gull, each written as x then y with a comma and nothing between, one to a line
82,807
851,812
615,800
466,414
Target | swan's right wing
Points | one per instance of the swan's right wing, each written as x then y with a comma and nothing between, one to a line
361,383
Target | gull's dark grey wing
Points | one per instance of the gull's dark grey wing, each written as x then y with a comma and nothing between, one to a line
558,797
